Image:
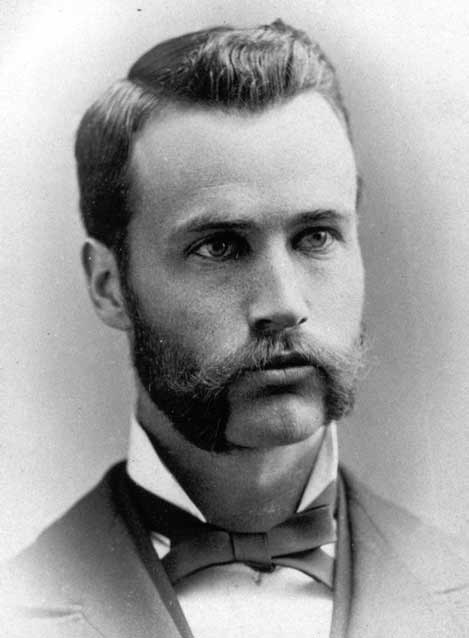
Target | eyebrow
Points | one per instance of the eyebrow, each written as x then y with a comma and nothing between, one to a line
322,214
213,221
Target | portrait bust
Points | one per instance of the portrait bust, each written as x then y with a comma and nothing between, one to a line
219,192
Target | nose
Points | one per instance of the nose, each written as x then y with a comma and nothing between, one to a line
278,303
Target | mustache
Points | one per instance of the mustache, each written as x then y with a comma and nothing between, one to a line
339,368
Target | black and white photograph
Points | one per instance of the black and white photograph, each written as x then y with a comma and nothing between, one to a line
235,319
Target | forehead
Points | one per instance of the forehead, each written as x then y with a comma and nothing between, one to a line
296,155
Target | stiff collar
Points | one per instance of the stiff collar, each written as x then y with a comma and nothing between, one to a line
146,468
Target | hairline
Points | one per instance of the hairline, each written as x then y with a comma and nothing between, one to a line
169,106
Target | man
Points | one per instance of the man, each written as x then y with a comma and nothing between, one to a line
218,190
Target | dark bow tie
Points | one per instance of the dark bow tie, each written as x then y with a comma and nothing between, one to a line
196,545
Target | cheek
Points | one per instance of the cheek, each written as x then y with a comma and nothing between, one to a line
337,303
350,299
350,289
206,321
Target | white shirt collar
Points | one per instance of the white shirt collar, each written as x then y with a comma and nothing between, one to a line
146,468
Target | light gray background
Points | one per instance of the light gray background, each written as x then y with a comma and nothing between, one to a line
405,72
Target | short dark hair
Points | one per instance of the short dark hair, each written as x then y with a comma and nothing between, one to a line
223,68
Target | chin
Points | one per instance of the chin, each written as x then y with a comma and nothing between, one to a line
274,422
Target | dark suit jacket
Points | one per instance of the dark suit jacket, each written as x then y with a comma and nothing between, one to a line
94,573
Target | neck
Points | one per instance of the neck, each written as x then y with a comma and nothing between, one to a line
248,490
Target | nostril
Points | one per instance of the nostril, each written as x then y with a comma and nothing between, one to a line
264,325
277,323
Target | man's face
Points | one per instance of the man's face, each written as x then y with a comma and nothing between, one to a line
245,280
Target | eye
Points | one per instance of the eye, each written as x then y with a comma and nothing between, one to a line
315,240
219,248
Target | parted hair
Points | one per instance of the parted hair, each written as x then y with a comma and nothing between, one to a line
221,68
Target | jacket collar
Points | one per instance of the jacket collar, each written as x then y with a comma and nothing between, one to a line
131,594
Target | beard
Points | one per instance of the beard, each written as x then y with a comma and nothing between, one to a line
194,395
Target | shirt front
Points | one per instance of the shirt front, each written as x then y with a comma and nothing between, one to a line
234,600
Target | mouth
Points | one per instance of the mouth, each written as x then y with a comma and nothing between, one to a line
284,361
280,372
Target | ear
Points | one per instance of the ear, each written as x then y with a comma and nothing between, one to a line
104,286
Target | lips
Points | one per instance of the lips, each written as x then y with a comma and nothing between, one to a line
291,375
283,361
280,372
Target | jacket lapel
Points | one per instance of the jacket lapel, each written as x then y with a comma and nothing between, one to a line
343,568
131,594
123,600
390,593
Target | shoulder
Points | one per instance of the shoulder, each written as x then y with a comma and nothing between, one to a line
92,573
74,535
392,543
53,573
394,523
